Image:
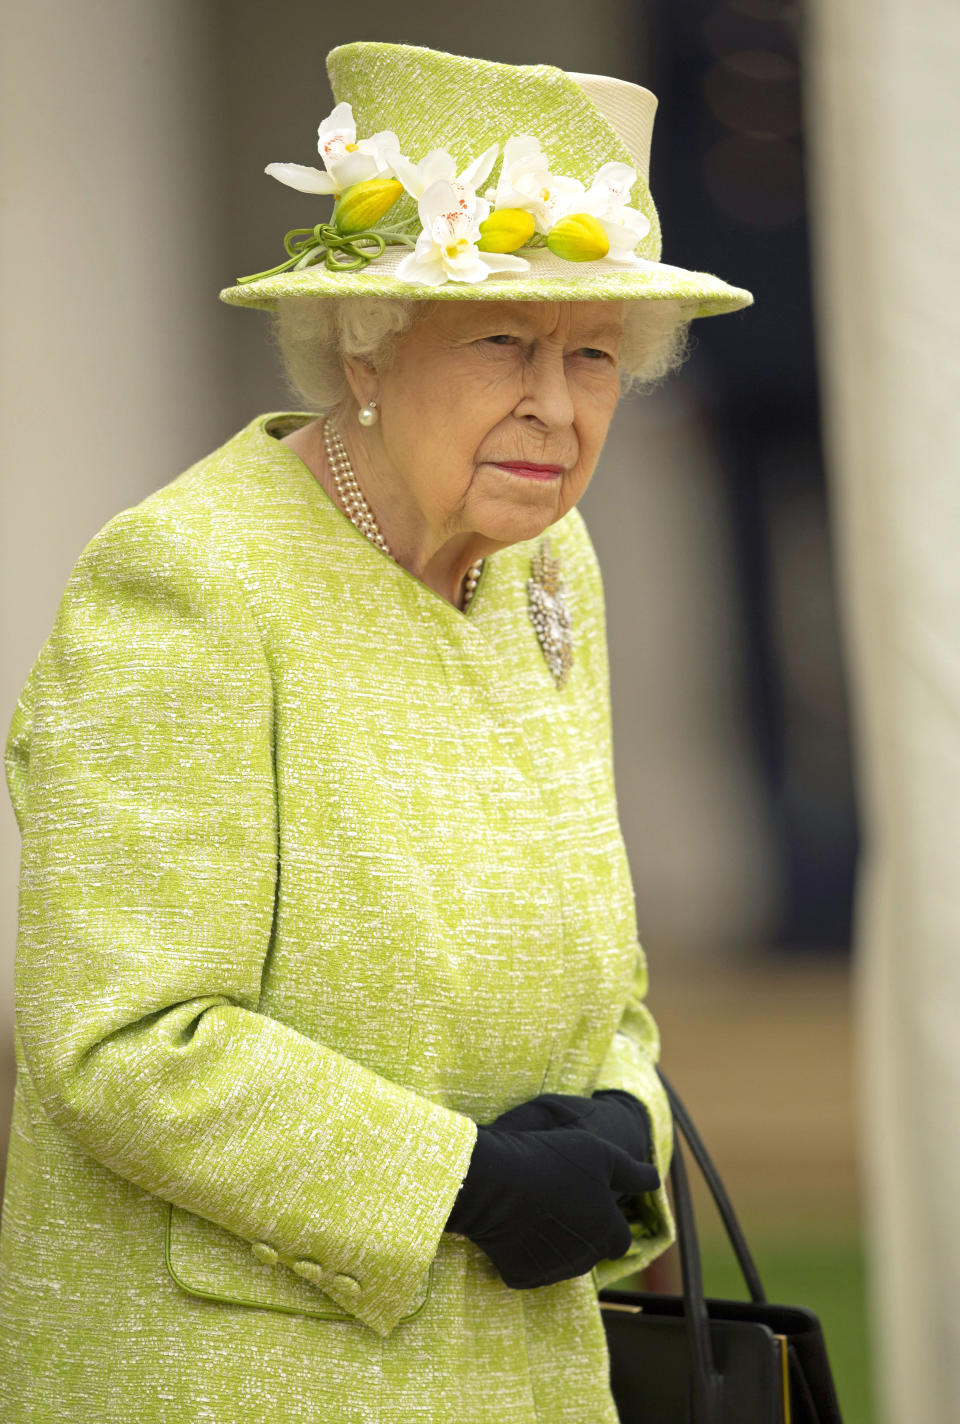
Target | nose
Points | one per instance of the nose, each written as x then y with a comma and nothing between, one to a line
546,398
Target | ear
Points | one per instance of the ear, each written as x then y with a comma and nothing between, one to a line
361,378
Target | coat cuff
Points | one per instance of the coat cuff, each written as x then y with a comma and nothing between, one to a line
381,1275
383,1292
651,1219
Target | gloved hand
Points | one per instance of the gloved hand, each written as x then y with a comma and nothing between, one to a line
612,1114
543,1204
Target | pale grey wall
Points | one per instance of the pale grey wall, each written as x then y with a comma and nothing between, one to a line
111,369
695,821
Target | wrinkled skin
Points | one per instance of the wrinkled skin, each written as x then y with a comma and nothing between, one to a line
470,385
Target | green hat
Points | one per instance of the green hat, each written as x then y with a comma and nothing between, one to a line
465,179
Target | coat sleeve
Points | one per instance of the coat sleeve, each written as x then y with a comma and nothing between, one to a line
148,811
630,1064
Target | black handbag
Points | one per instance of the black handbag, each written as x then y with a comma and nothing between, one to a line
687,1360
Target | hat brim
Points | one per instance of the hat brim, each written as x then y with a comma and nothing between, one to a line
550,279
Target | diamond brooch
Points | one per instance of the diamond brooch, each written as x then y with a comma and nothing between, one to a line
549,612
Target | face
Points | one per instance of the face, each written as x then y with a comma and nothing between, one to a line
493,414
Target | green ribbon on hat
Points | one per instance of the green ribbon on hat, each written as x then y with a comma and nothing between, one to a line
340,252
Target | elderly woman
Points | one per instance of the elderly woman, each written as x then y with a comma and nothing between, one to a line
336,1093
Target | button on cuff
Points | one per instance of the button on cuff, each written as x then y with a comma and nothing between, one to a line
347,1289
264,1253
313,1272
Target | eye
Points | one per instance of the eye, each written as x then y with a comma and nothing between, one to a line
595,354
500,339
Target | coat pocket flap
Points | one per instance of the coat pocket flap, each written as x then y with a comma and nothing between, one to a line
207,1261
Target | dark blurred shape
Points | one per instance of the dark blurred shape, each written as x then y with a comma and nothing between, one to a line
760,64
728,175
755,181
769,11
755,92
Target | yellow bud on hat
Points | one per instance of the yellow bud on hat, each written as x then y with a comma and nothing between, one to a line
578,238
365,203
506,230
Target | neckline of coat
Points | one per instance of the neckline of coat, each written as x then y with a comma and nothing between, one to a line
331,515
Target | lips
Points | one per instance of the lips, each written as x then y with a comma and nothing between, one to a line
530,469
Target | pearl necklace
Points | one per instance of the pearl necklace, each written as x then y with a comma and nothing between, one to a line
358,511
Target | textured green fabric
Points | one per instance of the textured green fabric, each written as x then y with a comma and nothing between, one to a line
435,100
317,873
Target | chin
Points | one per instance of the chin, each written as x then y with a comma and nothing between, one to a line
520,525
525,512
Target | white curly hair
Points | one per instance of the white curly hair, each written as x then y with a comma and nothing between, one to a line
312,336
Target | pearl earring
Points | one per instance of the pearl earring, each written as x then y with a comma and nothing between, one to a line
368,414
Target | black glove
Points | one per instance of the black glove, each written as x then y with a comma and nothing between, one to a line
543,1204
612,1114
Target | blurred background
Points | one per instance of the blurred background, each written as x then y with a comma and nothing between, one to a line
739,596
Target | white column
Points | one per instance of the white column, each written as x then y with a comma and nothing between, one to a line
885,111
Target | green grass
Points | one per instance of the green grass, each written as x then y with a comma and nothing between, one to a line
826,1275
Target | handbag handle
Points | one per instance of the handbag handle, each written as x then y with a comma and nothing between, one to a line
718,1191
706,1383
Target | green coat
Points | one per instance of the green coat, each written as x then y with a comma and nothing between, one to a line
318,872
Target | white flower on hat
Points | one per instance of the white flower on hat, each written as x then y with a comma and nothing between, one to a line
440,166
446,249
526,182
346,160
607,200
